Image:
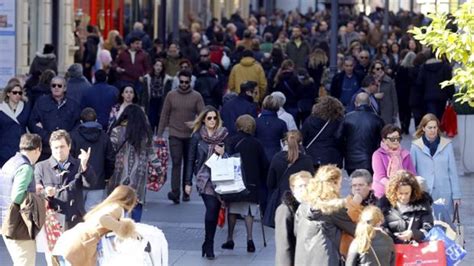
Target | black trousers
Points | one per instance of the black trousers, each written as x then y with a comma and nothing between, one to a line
179,149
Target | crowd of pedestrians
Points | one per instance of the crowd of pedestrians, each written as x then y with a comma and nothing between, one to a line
259,87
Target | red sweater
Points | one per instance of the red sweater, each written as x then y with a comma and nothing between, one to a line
135,70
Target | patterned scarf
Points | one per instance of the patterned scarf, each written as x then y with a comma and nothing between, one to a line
395,160
217,137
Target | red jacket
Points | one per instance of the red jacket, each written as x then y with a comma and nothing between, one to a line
132,72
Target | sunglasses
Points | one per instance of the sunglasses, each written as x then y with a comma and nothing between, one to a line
54,85
209,118
395,139
184,81
17,93
364,57
204,55
378,68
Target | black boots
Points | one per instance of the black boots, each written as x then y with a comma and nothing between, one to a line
228,245
250,246
208,245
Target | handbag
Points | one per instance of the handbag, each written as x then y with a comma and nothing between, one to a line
317,135
459,227
233,190
221,218
430,253
449,122
454,252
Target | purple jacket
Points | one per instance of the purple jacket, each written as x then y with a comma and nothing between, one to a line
380,160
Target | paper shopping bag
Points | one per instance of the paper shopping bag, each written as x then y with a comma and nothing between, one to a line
430,253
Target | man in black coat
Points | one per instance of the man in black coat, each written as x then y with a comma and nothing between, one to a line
62,177
102,161
243,104
361,135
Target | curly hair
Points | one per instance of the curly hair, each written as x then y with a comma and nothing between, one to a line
322,192
403,178
328,108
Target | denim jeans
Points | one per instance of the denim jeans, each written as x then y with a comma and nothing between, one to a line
92,198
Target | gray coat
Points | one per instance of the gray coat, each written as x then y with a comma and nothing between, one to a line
389,102
318,235
383,247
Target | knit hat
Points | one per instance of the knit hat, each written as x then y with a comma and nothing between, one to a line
75,71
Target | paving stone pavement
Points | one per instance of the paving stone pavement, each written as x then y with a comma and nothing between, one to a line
184,229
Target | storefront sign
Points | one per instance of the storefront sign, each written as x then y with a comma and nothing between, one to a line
7,41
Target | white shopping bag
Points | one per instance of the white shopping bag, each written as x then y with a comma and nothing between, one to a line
222,169
233,186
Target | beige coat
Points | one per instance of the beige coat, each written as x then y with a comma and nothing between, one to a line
78,245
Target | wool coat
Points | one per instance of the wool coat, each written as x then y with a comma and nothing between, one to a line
439,170
12,126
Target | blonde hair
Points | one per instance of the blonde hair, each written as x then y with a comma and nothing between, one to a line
317,57
322,192
198,122
370,217
424,121
111,39
293,138
304,175
124,196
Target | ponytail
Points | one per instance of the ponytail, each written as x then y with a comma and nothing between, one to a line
364,233
293,138
370,218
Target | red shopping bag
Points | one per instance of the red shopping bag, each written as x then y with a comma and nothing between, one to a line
53,227
449,121
221,218
157,177
431,253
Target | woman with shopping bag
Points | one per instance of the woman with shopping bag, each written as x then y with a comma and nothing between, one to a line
132,141
208,138
78,246
434,160
406,208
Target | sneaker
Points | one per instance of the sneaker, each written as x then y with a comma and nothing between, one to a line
173,197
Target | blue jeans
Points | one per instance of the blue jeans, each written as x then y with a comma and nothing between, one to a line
92,198
137,212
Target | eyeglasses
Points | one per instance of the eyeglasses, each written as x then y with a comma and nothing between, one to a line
184,81
54,85
394,139
209,118
17,93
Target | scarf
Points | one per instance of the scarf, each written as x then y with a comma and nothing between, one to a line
433,146
217,137
395,159
203,176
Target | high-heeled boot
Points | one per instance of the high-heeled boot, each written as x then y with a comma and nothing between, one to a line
208,245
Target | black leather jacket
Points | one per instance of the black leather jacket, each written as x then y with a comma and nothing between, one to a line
197,156
361,134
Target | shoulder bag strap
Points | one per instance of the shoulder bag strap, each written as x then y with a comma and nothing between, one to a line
317,135
375,254
456,218
284,173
